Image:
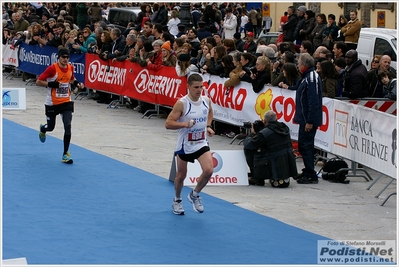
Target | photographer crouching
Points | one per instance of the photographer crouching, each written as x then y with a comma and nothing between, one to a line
268,152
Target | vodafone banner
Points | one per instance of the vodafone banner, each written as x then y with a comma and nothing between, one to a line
229,168
243,104
365,136
125,78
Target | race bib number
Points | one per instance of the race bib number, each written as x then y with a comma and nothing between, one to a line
63,91
196,136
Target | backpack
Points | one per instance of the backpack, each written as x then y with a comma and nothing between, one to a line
330,171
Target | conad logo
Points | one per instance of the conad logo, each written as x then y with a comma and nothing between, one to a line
263,101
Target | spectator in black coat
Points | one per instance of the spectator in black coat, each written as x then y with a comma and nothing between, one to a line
247,64
289,26
355,77
119,43
239,42
162,17
202,32
261,74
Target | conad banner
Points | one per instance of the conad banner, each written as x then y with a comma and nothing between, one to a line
35,59
242,104
125,78
10,56
365,136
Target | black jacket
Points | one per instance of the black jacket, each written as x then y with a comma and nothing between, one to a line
162,15
250,48
240,45
298,27
354,81
272,146
262,78
289,28
119,44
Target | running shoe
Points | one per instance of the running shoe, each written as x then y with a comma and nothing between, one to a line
66,158
177,207
196,201
42,136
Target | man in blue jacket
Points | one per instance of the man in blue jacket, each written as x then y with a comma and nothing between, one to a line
308,114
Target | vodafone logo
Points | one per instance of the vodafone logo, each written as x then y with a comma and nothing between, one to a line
217,162
141,81
94,67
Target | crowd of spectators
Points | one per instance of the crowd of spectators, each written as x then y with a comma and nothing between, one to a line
221,42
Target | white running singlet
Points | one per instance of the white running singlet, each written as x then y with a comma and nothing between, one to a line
190,140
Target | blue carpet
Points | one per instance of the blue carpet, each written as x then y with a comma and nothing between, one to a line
101,211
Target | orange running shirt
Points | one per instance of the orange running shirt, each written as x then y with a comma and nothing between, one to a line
55,73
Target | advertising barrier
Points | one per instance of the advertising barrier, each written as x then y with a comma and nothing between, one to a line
35,59
125,78
229,168
360,134
365,136
242,104
10,56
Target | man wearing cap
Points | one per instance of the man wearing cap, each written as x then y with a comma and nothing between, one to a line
202,31
229,24
249,45
299,25
58,78
181,28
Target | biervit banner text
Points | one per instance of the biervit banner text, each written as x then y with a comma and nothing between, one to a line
125,78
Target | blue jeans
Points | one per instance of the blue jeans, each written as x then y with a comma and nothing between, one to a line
306,148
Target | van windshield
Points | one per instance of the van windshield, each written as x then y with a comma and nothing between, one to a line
121,18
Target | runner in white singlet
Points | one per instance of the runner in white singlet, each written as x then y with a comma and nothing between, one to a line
192,115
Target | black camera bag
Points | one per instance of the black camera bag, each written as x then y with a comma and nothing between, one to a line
331,168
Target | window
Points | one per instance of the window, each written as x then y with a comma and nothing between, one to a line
381,46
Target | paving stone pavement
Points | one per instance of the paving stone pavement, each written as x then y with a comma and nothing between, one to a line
338,211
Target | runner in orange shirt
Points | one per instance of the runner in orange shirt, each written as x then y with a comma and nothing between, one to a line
58,78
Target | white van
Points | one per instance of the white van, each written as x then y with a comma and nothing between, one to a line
374,41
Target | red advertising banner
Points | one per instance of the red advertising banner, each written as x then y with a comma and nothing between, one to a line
125,78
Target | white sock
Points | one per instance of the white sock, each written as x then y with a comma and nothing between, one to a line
177,198
195,193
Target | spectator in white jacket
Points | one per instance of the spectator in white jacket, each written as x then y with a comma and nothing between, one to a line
229,24
173,22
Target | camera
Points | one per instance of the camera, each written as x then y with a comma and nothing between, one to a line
331,176
92,49
253,70
258,125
